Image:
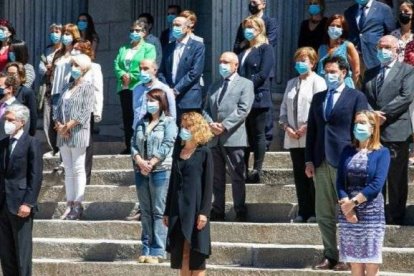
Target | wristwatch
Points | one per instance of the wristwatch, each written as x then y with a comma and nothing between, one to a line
355,201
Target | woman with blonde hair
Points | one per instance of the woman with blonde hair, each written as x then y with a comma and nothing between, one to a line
256,63
189,197
362,172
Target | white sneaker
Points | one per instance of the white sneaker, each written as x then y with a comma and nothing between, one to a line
50,154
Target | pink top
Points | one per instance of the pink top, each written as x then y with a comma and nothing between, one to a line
4,59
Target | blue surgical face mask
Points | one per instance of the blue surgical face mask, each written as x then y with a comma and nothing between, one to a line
153,107
185,134
55,37
224,70
385,56
334,32
302,67
12,56
82,25
170,19
145,77
362,2
67,40
249,34
362,132
134,36
177,32
332,80
314,9
75,73
3,36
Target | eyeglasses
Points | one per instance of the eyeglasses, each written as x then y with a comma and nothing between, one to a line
135,30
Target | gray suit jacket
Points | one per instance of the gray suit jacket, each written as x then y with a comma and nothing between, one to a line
394,99
232,111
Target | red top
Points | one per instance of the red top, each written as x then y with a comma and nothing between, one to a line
4,59
409,53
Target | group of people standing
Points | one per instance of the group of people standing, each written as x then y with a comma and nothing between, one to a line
348,121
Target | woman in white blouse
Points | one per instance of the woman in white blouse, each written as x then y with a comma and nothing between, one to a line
293,119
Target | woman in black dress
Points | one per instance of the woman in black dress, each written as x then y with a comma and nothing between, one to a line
189,198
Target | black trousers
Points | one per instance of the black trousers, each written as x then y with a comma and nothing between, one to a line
48,124
89,154
269,127
127,115
255,127
16,243
233,157
397,182
305,189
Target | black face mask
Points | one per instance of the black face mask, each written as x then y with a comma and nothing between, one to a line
404,18
253,9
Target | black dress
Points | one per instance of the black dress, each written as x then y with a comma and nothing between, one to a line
312,38
189,195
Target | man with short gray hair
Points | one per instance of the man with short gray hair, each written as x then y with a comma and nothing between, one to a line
389,89
20,182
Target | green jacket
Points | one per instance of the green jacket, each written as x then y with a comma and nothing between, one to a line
145,51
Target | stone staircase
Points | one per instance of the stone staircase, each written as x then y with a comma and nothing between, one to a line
104,244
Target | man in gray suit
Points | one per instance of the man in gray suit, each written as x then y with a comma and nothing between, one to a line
389,89
228,103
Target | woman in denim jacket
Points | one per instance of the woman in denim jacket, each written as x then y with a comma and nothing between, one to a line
151,149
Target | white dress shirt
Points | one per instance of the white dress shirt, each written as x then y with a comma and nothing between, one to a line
178,52
17,137
336,95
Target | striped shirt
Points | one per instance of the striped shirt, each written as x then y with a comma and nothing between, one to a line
75,105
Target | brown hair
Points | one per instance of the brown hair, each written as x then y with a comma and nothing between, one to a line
20,70
161,97
344,25
191,16
198,127
86,47
11,81
308,52
374,142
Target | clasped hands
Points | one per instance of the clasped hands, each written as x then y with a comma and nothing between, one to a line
347,208
145,166
62,130
296,134
217,128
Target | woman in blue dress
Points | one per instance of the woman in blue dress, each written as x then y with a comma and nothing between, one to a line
337,45
362,172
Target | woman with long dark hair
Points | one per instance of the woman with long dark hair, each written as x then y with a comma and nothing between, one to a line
87,29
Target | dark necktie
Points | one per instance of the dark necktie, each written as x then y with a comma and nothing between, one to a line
380,79
223,90
329,103
361,18
9,149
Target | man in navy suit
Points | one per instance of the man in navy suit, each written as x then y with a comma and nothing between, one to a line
368,21
182,67
330,125
20,181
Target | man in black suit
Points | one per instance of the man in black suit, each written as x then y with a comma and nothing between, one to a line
330,124
20,181
166,36
389,89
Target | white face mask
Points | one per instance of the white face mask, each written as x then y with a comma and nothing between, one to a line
9,128
75,52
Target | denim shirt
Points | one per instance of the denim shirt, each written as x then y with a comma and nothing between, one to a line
159,143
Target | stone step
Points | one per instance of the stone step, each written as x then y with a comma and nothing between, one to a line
244,254
125,177
256,212
255,193
103,162
273,233
42,267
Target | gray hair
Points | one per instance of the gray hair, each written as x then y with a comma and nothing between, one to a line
20,111
152,61
55,26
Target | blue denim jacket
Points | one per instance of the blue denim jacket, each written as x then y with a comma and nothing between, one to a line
158,143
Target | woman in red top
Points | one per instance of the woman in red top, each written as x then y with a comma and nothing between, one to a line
6,36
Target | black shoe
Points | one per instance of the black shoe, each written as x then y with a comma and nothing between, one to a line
75,213
214,216
254,177
241,217
126,151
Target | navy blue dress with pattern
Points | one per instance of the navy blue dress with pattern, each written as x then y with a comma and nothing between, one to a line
361,242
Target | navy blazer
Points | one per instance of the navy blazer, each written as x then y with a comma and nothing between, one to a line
393,99
325,139
189,72
165,38
21,179
27,97
272,31
379,22
257,67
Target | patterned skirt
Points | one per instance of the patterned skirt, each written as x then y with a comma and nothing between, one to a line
362,242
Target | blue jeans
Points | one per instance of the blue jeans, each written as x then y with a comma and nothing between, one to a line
152,191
